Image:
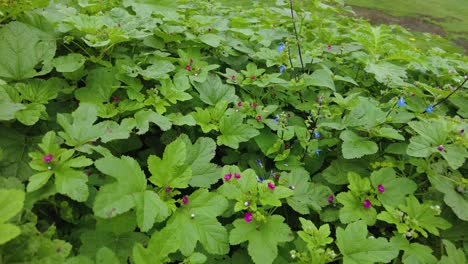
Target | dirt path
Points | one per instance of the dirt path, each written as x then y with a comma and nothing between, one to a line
413,23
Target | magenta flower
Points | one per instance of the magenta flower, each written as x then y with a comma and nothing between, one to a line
253,77
188,67
248,217
227,176
367,204
185,200
258,118
168,189
237,175
330,198
253,105
329,47
271,185
440,148
115,99
462,131
48,158
381,188
233,78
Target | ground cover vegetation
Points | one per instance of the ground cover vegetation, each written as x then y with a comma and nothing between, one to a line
192,132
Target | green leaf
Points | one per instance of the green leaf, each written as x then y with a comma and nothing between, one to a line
388,132
457,201
306,195
40,91
337,172
118,197
396,189
175,91
144,117
31,114
79,129
213,91
105,255
233,131
454,255
22,50
454,155
196,221
38,180
149,209
415,253
263,237
212,40
171,170
321,78
161,244
355,146
358,249
158,70
11,203
72,183
353,209
68,63
365,113
101,83
387,73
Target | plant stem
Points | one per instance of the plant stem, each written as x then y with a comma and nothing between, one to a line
291,63
297,36
454,91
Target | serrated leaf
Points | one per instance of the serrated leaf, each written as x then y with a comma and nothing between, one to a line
171,170
457,201
101,83
396,189
149,209
454,255
358,249
11,203
415,253
144,117
212,40
321,78
234,131
354,210
388,132
263,237
213,91
68,63
21,50
355,146
72,183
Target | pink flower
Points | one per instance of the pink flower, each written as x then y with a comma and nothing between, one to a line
271,185
253,78
168,189
329,47
227,176
330,198
440,148
248,217
115,99
188,68
381,188
239,104
185,200
48,158
367,204
233,78
258,118
237,175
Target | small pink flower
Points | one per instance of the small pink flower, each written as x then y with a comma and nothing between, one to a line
191,61
188,67
253,105
367,204
248,217
169,189
440,148
381,188
115,99
258,118
239,104
185,200
253,78
227,176
271,185
330,198
48,158
329,47
233,78
237,175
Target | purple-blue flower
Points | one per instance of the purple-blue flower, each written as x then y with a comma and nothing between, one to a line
401,102
317,152
259,162
429,109
316,134
282,68
281,47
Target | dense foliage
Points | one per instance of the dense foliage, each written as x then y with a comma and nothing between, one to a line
189,132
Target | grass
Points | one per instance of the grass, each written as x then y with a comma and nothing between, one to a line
451,15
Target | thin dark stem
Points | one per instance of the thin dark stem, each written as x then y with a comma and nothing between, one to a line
290,62
454,91
297,36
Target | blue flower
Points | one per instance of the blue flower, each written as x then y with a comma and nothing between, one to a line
282,68
401,102
260,180
281,47
429,109
276,119
259,162
316,134
317,152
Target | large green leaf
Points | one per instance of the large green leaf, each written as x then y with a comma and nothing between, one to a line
101,83
234,131
213,90
263,237
22,50
322,78
358,249
11,203
395,189
355,146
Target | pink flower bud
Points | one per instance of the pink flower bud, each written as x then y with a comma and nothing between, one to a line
271,185
188,67
258,118
227,176
381,188
185,200
48,158
248,217
237,175
440,148
367,204
330,198
239,104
